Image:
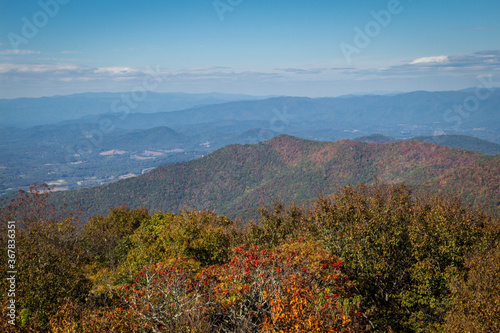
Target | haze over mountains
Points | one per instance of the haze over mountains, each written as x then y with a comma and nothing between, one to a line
402,116
101,147
27,112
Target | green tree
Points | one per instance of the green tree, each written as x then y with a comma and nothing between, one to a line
202,236
278,225
49,257
403,250
368,227
103,235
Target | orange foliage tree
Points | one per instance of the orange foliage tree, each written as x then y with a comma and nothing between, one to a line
258,290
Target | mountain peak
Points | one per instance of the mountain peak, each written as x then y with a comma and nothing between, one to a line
286,139
290,148
375,138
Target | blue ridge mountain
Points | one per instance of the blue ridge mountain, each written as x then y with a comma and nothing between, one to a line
236,179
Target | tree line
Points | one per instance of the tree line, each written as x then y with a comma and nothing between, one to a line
376,258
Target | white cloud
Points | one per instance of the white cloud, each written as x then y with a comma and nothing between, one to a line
302,70
117,70
60,70
206,69
483,62
68,74
19,52
11,68
430,60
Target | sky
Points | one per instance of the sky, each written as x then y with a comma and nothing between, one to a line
309,48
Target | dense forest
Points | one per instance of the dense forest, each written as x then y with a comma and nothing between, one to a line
374,258
235,179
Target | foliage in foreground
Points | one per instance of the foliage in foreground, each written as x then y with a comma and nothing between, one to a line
375,258
402,251
257,290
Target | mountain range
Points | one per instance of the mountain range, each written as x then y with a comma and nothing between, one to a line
91,146
236,179
28,112
401,116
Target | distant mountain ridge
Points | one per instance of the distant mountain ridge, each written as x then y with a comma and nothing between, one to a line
415,107
27,112
157,137
449,140
463,142
236,179
400,116
375,138
405,115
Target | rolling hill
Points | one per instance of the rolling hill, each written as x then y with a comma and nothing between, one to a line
65,152
463,142
236,179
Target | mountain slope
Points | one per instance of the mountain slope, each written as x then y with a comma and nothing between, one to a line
236,179
157,137
463,142
401,116
376,138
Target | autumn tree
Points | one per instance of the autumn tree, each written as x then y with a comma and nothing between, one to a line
476,294
48,256
402,249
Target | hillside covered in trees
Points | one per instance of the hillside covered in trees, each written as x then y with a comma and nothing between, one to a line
463,142
378,258
236,179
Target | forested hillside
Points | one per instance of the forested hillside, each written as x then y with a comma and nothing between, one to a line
236,179
463,142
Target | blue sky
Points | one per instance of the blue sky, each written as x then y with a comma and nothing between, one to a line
260,47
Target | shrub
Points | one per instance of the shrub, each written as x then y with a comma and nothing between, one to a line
278,225
74,318
202,236
257,290
442,234
368,227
